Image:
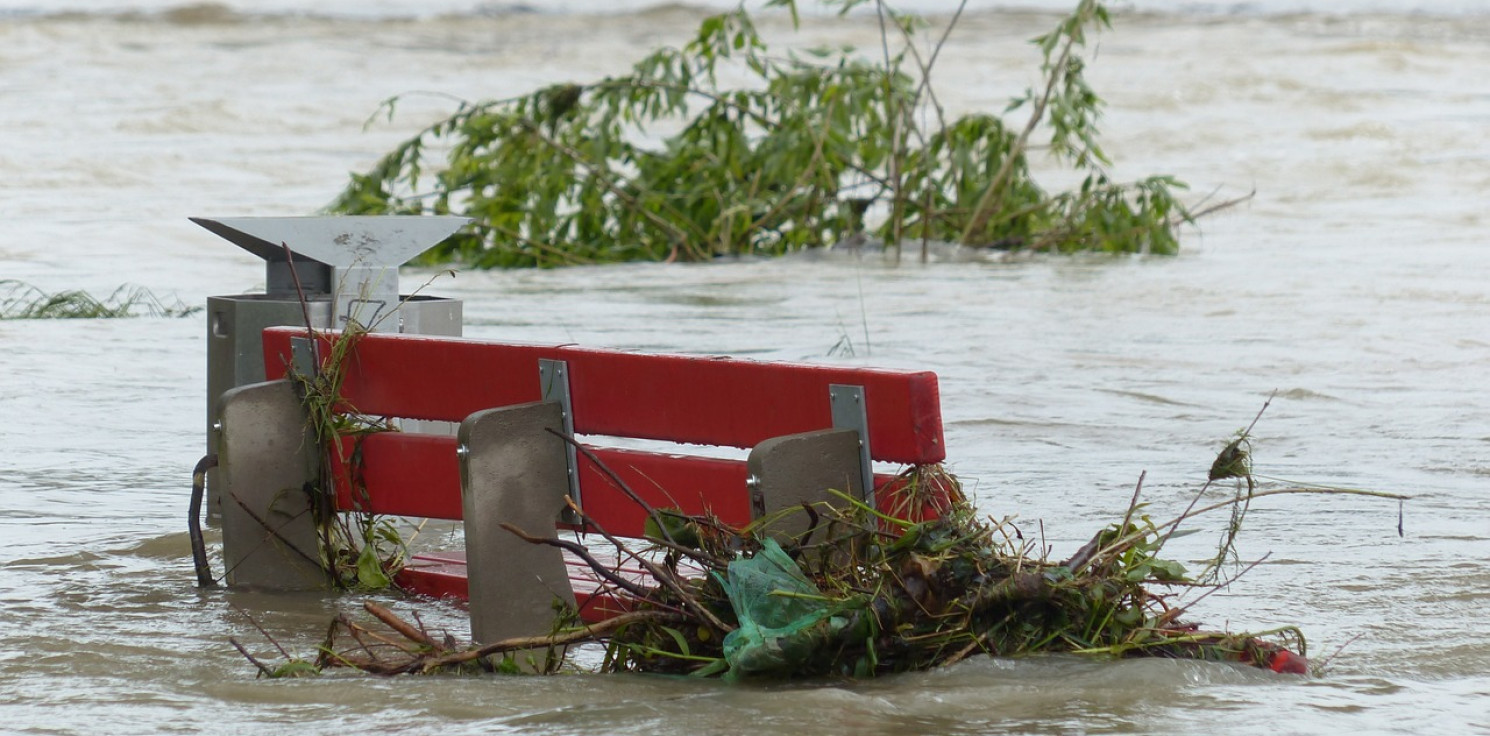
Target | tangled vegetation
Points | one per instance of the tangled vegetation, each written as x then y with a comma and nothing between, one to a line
861,593
671,162
359,550
20,300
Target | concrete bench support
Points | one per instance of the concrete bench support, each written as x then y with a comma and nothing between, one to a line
513,470
267,456
800,468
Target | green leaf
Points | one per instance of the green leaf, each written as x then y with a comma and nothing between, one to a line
678,639
370,574
1167,570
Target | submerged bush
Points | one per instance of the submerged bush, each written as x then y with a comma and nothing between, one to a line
814,149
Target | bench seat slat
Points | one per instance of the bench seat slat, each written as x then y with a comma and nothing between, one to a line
444,575
681,398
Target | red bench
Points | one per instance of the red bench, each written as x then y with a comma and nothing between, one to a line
796,417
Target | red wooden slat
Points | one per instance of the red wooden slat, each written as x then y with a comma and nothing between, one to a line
436,576
443,575
403,474
689,399
693,485
410,474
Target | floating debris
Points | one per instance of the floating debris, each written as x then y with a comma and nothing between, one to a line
861,593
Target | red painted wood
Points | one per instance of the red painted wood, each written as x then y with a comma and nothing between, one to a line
685,399
689,399
422,577
693,485
435,577
443,575
403,474
410,474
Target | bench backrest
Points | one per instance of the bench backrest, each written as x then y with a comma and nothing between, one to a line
678,398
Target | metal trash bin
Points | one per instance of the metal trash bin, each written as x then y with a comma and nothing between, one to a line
345,268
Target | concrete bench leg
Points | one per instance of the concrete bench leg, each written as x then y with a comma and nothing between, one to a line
789,470
266,456
513,470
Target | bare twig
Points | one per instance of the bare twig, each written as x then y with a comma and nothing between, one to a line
1228,582
985,208
265,671
261,631
584,554
662,575
587,633
397,624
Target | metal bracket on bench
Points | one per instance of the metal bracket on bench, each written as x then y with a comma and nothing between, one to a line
851,412
553,381
303,357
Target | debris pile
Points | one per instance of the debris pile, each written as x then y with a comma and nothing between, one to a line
859,594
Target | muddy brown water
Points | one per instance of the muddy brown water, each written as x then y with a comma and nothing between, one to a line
1356,284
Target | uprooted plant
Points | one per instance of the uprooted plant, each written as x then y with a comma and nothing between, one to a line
675,161
862,593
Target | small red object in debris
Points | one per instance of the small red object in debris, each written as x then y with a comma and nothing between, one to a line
1288,662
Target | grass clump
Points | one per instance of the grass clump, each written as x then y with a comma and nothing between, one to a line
20,300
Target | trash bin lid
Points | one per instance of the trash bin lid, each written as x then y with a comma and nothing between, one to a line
372,241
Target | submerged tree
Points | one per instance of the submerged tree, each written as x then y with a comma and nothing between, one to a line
814,149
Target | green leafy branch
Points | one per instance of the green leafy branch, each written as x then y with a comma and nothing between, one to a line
666,162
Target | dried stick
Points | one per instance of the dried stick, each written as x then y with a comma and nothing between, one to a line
972,646
399,625
588,632
609,474
261,631
265,671
359,630
1219,586
662,575
652,513
584,554
355,632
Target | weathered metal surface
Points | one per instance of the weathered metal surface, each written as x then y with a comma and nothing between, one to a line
851,411
355,259
342,268
381,241
553,381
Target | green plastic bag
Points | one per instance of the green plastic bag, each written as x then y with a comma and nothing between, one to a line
784,618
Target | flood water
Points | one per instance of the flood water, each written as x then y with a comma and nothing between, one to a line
1355,285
